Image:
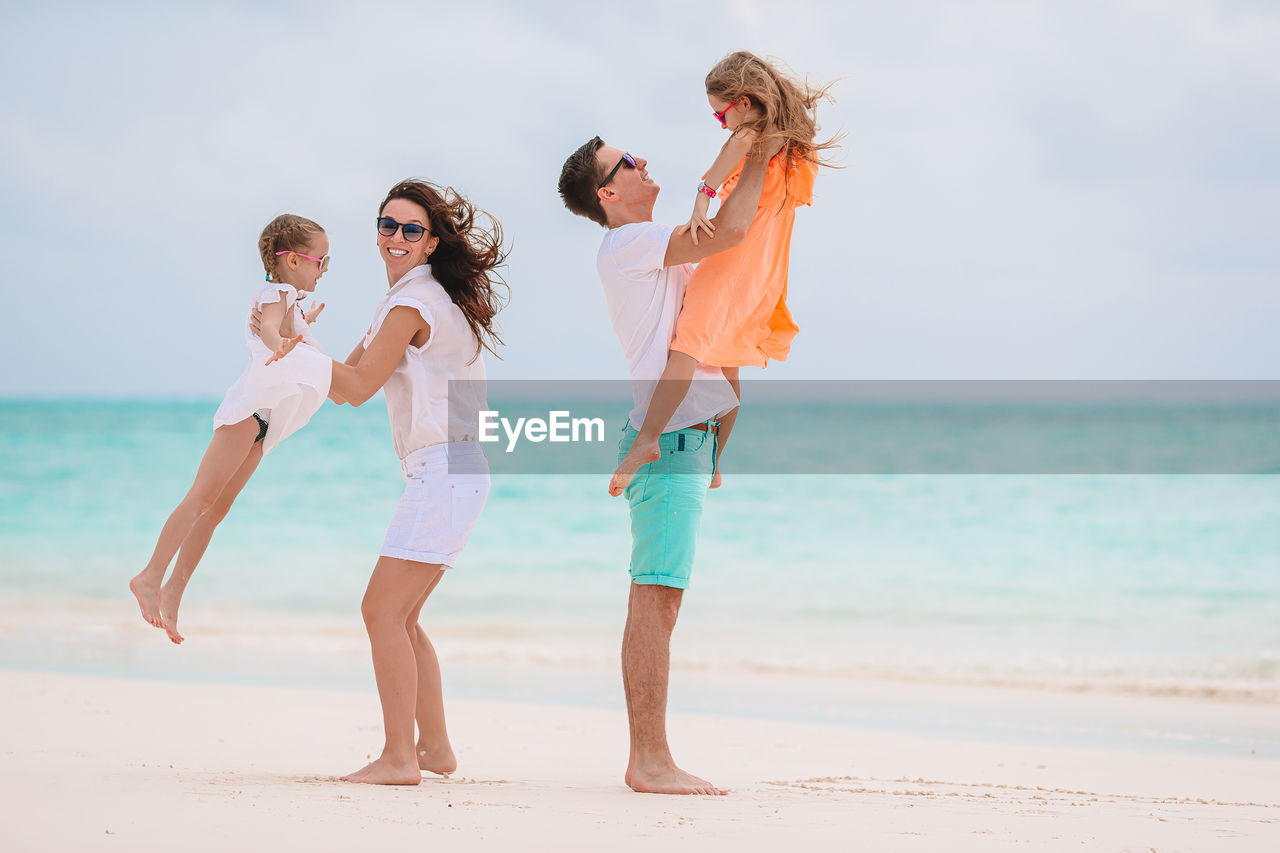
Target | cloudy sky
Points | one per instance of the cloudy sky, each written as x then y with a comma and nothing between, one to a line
1031,190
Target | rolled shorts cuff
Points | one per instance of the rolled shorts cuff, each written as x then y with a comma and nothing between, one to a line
661,580
430,557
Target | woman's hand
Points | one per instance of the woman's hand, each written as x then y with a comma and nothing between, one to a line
286,347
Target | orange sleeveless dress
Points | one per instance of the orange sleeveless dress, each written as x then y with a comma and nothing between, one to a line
735,305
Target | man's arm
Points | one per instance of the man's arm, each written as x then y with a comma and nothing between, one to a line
733,219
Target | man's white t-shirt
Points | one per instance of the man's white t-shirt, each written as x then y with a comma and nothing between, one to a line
644,298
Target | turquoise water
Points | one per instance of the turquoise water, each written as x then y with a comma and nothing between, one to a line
1157,584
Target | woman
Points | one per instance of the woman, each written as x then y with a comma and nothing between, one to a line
428,330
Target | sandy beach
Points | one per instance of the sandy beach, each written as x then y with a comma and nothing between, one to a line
95,763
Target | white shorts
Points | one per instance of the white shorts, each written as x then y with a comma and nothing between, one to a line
446,486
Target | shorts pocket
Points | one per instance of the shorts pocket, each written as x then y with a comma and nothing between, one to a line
466,501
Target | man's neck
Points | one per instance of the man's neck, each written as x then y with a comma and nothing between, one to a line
619,217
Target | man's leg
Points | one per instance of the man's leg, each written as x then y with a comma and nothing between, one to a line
646,666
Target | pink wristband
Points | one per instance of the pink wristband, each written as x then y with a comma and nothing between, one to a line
703,188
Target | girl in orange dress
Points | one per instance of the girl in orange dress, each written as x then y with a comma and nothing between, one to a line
734,312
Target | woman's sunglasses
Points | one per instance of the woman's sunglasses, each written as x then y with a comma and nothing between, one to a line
626,158
720,115
323,262
387,228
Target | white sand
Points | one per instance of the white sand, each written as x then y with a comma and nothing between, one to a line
112,764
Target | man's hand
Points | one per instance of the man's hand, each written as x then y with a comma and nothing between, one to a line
772,145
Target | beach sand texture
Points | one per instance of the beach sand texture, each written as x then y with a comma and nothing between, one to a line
96,763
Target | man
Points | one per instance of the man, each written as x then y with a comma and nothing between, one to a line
644,266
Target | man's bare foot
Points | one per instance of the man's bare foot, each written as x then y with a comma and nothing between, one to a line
148,596
638,456
440,761
385,772
668,780
169,602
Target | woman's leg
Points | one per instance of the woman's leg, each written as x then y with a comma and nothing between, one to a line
197,541
435,753
396,588
226,453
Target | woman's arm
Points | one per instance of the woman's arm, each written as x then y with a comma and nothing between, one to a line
352,360
356,383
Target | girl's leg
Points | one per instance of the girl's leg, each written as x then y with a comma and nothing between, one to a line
671,389
197,541
395,590
726,423
226,453
435,753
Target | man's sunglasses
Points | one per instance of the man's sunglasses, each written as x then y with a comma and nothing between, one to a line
626,158
387,228
323,262
720,115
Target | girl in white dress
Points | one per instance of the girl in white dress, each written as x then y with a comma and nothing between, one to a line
271,399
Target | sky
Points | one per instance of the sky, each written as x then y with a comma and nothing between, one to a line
1029,190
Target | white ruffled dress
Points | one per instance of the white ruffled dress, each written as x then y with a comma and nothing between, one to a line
293,388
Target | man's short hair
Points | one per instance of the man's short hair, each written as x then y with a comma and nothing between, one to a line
580,182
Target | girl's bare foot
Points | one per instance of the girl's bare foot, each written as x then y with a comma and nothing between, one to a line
638,456
148,596
715,481
386,772
440,761
169,602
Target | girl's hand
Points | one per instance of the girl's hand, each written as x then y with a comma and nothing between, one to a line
286,347
313,314
699,219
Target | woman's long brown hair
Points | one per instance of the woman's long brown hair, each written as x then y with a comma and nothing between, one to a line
466,259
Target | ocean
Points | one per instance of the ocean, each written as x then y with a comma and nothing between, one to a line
807,585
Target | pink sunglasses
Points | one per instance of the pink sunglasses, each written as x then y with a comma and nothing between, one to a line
720,115
323,262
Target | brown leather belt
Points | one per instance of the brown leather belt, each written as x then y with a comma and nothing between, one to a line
714,429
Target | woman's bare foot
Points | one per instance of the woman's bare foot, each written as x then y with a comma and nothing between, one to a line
169,601
440,761
386,772
148,596
638,456
668,780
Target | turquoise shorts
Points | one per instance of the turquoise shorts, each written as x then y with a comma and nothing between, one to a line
666,499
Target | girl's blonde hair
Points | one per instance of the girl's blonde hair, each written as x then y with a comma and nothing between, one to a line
788,106
288,232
